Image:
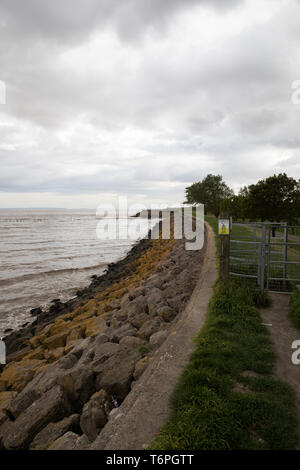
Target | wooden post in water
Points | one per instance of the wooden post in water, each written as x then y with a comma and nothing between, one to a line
224,234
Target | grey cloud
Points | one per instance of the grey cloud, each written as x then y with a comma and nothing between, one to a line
65,20
137,116
258,121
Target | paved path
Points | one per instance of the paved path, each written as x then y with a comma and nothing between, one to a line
283,334
146,408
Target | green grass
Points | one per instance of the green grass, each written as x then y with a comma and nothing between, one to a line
295,307
218,403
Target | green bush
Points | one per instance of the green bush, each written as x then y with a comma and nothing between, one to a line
143,350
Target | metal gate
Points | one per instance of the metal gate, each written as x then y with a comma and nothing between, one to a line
266,253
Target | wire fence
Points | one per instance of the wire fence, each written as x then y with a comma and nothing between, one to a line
267,254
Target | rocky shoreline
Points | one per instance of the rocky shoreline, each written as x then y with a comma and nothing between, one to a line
16,340
75,362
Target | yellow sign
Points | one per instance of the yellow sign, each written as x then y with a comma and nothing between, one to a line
224,226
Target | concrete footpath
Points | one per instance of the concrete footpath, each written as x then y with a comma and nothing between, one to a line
146,408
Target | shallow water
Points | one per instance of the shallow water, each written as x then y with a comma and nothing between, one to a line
51,254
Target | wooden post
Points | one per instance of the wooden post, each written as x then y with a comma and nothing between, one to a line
224,234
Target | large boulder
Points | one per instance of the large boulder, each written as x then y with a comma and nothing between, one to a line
122,331
70,441
103,352
166,313
155,300
51,407
56,341
94,326
138,319
154,281
178,302
130,342
158,338
6,399
73,372
79,384
138,305
149,328
116,374
169,291
53,431
17,374
140,367
94,414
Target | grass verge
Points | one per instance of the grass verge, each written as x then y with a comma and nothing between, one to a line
228,398
295,308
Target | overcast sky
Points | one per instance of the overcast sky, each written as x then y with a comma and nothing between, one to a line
144,97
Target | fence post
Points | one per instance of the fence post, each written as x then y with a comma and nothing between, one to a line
285,241
224,234
261,271
285,252
254,244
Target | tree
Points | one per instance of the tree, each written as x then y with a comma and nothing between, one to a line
244,192
211,191
275,199
236,206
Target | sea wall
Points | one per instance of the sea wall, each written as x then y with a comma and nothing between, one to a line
65,369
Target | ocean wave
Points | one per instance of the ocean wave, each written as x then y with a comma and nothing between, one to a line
54,272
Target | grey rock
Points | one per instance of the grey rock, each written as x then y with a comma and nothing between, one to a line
104,352
137,292
131,342
79,384
51,407
178,302
122,331
149,328
154,281
112,305
94,414
116,322
154,301
138,319
166,313
53,431
117,373
7,399
120,316
140,367
125,302
169,292
101,339
68,441
138,305
23,400
3,418
158,338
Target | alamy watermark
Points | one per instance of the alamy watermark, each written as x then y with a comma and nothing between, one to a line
296,354
2,352
2,92
116,222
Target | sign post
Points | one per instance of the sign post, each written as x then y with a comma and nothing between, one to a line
224,234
